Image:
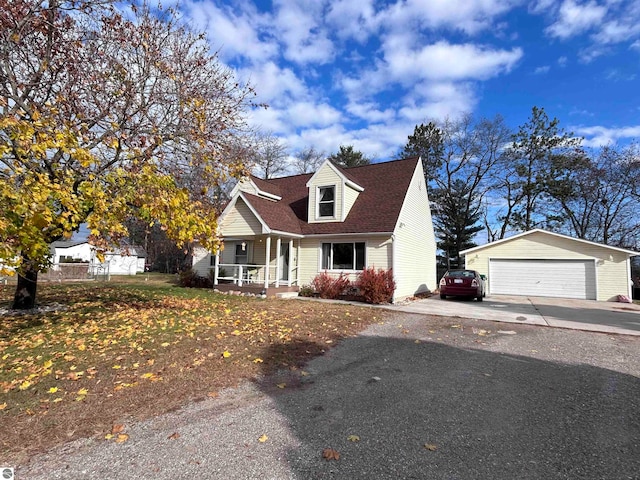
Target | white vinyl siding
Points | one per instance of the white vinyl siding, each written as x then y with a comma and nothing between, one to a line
415,244
350,196
240,221
612,277
200,262
544,278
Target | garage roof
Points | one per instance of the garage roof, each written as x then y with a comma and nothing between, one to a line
631,253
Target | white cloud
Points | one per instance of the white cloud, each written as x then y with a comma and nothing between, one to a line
588,55
307,114
562,61
299,26
438,100
445,61
542,6
351,19
616,32
273,82
369,111
235,33
471,17
292,104
598,136
576,18
542,70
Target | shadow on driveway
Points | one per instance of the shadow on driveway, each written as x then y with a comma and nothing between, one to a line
488,415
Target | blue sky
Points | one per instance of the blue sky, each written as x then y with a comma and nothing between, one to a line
365,72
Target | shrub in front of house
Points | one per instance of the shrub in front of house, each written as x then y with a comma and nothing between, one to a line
306,291
376,286
328,286
191,279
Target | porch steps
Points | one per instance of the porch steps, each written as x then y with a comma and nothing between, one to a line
286,294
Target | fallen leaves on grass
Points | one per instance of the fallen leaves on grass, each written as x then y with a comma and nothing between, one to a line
353,438
139,350
432,447
263,438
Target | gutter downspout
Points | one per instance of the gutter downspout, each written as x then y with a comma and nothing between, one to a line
393,265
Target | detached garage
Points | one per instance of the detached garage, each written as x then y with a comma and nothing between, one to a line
546,264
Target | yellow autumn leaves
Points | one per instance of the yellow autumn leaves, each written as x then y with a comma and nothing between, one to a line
67,352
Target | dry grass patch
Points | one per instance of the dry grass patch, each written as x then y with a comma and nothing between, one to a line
112,353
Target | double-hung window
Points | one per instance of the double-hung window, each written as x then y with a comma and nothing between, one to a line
327,201
343,256
241,256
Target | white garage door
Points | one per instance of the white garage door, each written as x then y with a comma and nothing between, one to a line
543,278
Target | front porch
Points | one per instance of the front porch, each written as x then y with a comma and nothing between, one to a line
257,263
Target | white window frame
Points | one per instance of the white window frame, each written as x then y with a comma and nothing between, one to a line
334,201
331,268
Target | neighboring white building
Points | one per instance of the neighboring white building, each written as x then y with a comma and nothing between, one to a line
125,261
64,251
121,261
284,231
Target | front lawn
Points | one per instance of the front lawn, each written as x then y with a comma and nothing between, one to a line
114,352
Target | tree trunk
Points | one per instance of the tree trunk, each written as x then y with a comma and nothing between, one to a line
25,296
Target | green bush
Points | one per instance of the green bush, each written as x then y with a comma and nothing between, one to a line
306,291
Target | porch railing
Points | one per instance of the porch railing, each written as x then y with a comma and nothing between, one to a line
240,274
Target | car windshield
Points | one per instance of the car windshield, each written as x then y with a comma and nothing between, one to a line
461,273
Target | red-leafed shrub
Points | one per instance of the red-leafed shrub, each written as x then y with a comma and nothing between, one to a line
330,287
376,287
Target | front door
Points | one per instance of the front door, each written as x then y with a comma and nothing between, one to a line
284,262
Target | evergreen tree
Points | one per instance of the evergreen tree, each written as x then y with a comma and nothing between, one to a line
348,157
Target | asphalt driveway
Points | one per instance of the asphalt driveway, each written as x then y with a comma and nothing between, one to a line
414,397
608,317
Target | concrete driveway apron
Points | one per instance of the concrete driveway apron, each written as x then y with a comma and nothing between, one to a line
606,317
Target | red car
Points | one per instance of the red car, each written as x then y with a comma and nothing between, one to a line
462,283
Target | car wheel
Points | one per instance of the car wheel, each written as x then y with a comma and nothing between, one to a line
443,296
479,298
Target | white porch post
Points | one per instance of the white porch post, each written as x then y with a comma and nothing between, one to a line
278,260
298,264
216,267
266,264
290,263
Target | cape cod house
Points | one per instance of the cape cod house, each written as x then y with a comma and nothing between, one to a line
282,232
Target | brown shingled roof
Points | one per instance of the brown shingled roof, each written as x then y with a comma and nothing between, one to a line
275,214
266,186
376,209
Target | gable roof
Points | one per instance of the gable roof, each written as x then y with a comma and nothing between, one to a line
67,243
547,232
341,172
266,186
376,210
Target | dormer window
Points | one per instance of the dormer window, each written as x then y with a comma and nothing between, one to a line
326,202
